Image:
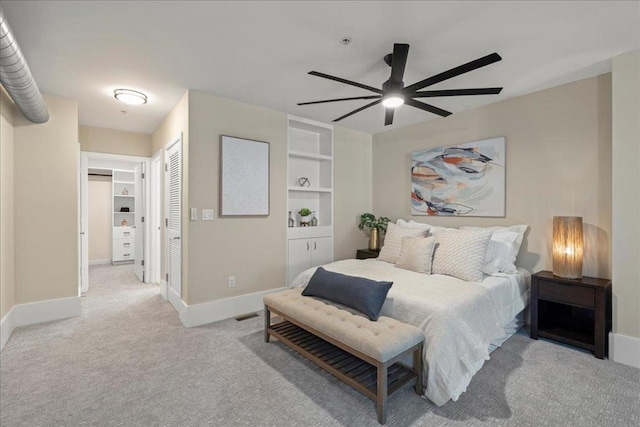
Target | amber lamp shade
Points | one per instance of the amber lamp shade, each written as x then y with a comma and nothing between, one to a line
568,246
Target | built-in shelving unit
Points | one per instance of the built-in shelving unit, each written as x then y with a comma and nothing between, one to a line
310,155
124,195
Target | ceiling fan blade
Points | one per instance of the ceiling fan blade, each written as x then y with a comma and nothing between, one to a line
388,116
427,107
399,61
340,99
347,82
376,102
446,75
456,92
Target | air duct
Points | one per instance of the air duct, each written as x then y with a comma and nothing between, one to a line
16,76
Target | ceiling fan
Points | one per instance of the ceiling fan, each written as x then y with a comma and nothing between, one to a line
394,93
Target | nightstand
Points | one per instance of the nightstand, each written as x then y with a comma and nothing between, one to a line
366,253
572,311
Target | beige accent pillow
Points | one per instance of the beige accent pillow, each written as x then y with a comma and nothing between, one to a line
417,253
460,253
392,248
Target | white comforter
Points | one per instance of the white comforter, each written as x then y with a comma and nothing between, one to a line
459,319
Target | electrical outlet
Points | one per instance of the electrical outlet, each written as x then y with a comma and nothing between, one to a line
194,214
232,281
207,214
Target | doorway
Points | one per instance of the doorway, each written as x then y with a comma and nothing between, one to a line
118,184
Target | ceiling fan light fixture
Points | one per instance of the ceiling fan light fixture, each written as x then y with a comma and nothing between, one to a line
393,101
131,97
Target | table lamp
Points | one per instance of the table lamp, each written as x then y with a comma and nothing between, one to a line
568,245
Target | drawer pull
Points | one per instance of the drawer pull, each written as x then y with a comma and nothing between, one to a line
126,245
126,233
126,255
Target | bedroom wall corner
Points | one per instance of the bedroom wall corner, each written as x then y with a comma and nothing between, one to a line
252,249
626,208
7,273
46,171
353,190
558,144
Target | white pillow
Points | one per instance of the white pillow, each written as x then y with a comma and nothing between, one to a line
392,248
460,253
417,253
413,224
503,248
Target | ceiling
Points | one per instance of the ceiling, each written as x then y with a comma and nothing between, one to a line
260,52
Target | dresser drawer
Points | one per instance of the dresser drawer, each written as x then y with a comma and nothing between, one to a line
123,254
125,244
568,294
124,232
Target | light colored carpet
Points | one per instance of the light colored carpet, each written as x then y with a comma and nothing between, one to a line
129,361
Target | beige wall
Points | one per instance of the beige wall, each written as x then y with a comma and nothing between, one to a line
352,194
626,194
100,217
46,204
558,144
7,276
101,140
251,249
174,124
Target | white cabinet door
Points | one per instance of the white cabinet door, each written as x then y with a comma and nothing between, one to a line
173,201
299,257
321,251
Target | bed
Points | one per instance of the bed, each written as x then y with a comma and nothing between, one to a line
462,321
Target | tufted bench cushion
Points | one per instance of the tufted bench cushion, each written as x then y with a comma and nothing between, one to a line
380,340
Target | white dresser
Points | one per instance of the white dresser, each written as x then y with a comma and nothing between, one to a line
123,244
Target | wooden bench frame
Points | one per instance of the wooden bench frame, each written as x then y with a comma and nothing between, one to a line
345,363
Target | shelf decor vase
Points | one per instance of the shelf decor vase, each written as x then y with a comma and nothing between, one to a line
374,240
292,222
305,220
125,192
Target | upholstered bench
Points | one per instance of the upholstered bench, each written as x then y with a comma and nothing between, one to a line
364,354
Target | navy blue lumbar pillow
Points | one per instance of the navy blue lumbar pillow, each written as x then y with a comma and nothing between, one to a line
366,296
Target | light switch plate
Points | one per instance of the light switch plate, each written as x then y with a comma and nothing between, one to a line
207,214
194,214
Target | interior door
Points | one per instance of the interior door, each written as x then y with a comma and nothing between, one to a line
84,224
139,212
173,223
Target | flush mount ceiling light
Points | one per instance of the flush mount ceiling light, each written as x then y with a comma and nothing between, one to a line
129,96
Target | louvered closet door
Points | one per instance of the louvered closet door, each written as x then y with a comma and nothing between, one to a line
173,223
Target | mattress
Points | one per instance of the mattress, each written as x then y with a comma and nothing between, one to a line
462,321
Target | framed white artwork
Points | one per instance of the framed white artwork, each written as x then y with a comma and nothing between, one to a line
244,177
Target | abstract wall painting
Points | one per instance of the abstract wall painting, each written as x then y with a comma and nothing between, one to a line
460,180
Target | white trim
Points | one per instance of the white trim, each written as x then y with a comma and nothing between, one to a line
176,302
37,312
100,261
163,289
624,349
6,328
45,311
154,213
214,311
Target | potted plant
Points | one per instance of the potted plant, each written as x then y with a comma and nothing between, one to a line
369,222
305,216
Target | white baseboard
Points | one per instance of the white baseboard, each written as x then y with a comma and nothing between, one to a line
99,261
624,349
37,312
163,290
6,328
214,311
176,302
